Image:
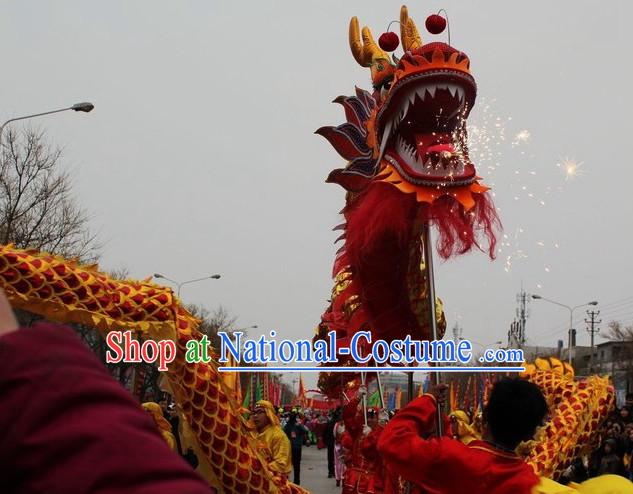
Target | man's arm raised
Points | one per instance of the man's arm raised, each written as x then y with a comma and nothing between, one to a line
403,446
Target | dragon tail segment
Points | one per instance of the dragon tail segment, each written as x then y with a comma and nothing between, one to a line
64,291
578,409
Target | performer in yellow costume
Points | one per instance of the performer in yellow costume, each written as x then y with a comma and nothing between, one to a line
461,427
604,484
163,426
273,441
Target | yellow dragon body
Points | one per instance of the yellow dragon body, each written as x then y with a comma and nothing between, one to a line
577,410
65,291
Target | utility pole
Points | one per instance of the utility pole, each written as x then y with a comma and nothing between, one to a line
592,331
457,333
522,313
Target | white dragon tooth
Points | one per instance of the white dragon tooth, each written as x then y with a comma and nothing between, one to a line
460,91
432,90
405,106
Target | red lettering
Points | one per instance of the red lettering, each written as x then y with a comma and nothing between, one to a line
167,354
132,348
111,340
145,351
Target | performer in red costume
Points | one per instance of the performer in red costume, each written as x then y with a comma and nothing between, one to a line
364,473
445,466
86,434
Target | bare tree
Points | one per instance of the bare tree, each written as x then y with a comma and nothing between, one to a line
619,332
212,322
37,208
622,354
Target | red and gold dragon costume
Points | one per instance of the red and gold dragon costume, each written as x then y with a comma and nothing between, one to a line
578,409
65,291
408,165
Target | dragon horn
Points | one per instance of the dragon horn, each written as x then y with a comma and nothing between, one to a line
367,51
408,31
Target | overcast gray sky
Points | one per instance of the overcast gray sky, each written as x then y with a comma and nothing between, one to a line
200,155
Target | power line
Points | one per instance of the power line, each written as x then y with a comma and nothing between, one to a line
613,312
617,302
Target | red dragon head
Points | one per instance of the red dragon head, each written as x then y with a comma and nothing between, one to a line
408,167
423,102
411,131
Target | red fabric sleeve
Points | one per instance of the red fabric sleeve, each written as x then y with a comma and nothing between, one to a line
406,453
67,426
369,444
346,440
351,418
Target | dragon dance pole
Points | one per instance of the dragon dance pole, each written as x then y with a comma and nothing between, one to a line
382,399
428,263
363,383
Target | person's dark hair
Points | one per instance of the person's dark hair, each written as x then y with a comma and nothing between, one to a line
515,409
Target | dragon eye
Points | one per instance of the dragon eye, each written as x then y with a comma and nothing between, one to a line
384,89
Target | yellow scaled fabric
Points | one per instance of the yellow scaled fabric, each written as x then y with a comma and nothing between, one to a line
577,409
65,291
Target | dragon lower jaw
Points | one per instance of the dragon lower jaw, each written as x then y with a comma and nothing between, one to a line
435,161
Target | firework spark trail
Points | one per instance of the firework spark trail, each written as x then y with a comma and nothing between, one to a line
490,149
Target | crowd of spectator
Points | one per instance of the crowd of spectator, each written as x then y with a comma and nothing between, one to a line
613,453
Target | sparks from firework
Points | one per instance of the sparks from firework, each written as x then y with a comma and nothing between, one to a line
486,145
571,168
515,251
520,137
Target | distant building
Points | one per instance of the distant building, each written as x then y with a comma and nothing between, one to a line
614,359
531,352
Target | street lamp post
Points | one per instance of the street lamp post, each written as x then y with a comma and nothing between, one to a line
571,318
180,285
254,326
83,107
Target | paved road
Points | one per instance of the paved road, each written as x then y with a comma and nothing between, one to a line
314,472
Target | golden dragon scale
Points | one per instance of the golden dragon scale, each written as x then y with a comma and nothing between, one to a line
577,408
65,291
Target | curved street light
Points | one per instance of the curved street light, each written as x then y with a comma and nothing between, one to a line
571,317
180,285
254,326
82,107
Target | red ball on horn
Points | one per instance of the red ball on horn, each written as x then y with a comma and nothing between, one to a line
435,24
388,41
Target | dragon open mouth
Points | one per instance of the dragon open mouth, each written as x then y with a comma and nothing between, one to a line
422,121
